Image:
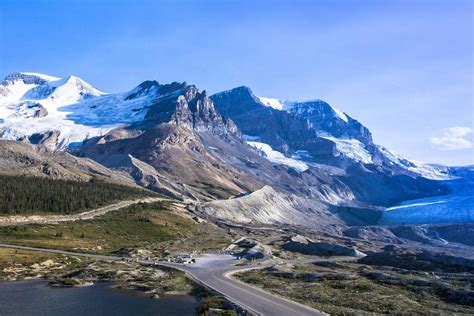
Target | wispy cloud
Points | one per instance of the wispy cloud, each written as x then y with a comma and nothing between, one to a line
453,138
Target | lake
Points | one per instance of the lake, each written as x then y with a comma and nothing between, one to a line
36,298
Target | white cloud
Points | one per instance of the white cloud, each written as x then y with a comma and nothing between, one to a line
453,138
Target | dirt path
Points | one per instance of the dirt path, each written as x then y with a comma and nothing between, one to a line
53,219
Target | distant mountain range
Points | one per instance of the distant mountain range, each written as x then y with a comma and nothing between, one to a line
233,147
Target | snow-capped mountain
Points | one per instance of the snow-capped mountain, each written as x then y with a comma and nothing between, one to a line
322,117
351,138
326,118
32,104
322,132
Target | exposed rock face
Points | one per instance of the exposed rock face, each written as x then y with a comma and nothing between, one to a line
25,78
47,140
185,147
176,154
39,110
185,105
309,247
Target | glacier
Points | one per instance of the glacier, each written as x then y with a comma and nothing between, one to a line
456,207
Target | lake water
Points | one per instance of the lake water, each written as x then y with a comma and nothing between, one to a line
457,207
36,298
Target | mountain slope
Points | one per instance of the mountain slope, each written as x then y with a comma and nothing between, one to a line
268,207
21,159
168,141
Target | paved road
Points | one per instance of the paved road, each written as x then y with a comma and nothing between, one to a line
214,271
53,219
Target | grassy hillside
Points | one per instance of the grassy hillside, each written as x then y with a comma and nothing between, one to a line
155,226
32,195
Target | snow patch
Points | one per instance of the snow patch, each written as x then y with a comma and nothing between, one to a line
14,91
277,157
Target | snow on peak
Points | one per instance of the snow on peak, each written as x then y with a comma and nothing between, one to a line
273,103
63,91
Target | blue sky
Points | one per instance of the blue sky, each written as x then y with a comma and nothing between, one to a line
402,68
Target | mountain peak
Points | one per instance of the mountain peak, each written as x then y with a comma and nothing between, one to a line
63,91
186,105
318,105
237,90
143,89
83,86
